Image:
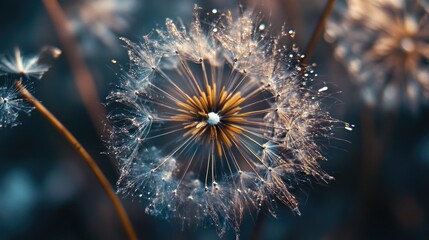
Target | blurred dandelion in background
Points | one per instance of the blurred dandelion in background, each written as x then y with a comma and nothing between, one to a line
216,119
102,18
384,46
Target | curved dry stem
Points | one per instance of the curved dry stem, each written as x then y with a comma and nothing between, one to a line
88,159
84,81
311,46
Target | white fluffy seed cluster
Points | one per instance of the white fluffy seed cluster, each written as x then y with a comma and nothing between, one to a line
216,119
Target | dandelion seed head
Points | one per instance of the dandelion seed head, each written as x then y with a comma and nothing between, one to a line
11,104
102,18
210,124
385,50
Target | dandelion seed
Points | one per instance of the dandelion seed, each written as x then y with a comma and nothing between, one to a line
210,124
23,65
385,50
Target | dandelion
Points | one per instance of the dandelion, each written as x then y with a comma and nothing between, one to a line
21,69
102,18
28,66
11,104
216,119
385,49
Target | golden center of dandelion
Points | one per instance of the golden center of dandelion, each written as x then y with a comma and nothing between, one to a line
212,117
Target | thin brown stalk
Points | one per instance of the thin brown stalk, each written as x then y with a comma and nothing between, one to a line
371,160
375,145
311,46
88,159
371,155
84,81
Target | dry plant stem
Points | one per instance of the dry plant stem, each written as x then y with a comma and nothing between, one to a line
371,162
311,46
88,159
83,78
375,144
370,145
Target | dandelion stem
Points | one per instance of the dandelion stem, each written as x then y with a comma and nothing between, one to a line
311,46
88,159
84,81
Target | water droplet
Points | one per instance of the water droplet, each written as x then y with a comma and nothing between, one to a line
323,89
262,27
348,127
214,10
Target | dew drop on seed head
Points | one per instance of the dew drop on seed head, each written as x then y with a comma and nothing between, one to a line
323,89
348,127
